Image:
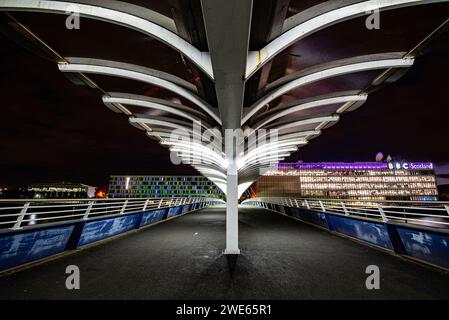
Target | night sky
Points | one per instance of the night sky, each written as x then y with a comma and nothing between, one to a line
52,130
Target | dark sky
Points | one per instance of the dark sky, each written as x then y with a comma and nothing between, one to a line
51,129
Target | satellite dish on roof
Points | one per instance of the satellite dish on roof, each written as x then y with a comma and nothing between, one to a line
379,156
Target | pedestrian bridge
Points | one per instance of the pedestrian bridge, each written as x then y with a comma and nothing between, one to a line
229,70
289,251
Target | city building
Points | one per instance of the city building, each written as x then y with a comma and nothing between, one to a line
49,190
350,180
162,186
63,190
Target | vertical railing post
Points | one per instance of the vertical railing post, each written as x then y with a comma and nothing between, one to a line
160,203
169,203
307,204
447,208
88,210
122,211
322,206
382,212
344,209
296,203
145,205
20,218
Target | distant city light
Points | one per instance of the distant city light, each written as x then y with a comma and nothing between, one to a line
101,194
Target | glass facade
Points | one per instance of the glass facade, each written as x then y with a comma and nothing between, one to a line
162,186
359,181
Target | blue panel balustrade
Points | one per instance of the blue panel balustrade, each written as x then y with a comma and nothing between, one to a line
25,247
98,230
427,246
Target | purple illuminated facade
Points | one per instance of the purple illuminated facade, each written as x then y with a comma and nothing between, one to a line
351,180
356,165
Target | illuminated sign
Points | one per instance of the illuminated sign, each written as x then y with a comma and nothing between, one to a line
410,166
357,166
398,165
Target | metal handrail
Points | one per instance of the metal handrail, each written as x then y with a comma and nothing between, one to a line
428,213
17,214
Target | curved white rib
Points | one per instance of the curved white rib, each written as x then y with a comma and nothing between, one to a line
309,105
138,76
201,158
148,104
258,59
323,74
201,59
197,148
308,121
288,136
269,148
161,123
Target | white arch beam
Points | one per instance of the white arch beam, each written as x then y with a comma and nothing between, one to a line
322,20
307,121
197,149
119,17
310,105
161,123
146,102
323,74
288,136
127,71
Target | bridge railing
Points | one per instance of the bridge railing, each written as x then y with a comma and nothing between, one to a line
16,214
428,213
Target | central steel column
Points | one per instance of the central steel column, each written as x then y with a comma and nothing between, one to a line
232,216
227,24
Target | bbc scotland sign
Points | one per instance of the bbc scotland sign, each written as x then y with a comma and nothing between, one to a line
410,166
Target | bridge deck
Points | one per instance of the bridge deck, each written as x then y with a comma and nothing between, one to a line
181,259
